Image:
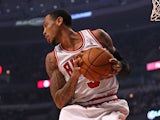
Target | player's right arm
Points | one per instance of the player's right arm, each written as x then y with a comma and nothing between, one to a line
61,91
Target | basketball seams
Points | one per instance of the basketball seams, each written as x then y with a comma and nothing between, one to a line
91,63
96,64
89,56
84,67
88,66
94,60
89,72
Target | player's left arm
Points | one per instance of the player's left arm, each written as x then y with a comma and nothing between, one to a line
106,41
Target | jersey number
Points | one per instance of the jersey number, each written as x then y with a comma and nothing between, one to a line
93,84
68,68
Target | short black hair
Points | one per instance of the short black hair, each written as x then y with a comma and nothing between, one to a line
67,20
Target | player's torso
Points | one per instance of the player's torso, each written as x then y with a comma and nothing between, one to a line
85,90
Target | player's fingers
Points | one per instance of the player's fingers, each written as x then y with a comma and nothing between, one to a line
113,61
122,117
78,55
76,70
115,65
110,75
77,62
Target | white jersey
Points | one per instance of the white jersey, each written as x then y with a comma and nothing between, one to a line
87,93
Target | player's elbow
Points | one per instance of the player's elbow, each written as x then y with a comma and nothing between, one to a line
59,103
59,106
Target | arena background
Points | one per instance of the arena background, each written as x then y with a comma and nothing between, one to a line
23,50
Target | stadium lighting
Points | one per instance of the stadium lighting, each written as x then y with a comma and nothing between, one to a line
39,21
151,115
153,66
81,15
43,84
0,69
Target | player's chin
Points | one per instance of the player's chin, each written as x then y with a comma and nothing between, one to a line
53,42
48,40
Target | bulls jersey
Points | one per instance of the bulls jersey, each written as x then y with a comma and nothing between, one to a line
87,93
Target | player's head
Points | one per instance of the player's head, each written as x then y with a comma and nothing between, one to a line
54,22
67,20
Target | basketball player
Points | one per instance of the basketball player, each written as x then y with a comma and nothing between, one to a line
77,97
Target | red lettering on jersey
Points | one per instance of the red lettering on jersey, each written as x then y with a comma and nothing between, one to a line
71,60
93,84
68,68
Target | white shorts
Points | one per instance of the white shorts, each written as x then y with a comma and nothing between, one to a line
113,110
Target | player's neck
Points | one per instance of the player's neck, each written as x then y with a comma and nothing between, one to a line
71,40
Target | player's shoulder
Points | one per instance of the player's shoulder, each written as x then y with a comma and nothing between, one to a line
49,55
99,32
50,58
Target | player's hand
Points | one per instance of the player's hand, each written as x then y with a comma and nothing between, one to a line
116,65
77,62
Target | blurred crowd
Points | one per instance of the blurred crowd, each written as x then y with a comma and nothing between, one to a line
19,98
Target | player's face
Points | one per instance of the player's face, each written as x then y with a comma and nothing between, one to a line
49,31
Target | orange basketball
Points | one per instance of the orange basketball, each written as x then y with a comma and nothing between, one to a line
95,64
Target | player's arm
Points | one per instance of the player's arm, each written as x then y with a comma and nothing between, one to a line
61,91
106,42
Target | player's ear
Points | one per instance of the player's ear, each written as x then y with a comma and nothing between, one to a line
59,21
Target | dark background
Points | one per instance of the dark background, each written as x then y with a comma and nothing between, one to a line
23,50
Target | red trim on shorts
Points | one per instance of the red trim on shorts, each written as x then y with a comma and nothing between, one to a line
102,97
98,98
116,99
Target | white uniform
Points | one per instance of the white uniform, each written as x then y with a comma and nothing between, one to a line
92,100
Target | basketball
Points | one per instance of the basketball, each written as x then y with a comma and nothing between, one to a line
95,64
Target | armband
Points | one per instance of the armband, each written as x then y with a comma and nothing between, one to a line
125,65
